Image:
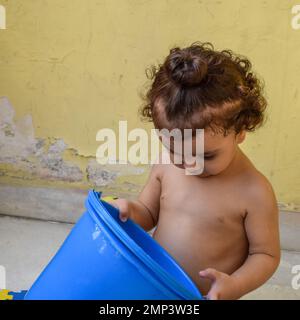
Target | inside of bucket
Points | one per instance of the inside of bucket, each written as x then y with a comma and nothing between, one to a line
152,248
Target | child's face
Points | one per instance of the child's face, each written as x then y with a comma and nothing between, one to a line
219,151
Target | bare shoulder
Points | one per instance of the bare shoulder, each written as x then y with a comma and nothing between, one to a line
259,192
159,168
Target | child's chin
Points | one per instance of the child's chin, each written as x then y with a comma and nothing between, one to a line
204,175
195,173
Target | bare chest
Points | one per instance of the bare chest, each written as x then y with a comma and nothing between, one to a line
202,204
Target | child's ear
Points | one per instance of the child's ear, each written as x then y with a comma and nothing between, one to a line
240,137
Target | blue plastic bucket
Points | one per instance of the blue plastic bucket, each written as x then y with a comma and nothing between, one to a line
105,258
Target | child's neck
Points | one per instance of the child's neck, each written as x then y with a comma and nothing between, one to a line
235,164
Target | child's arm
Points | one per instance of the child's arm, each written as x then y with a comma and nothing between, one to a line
261,225
144,211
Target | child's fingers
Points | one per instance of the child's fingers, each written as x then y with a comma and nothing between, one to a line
123,207
124,210
209,273
123,215
213,295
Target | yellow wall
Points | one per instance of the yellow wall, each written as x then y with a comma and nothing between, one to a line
76,66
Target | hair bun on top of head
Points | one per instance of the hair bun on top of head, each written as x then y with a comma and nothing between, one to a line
185,67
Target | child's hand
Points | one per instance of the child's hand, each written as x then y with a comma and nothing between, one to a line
224,286
124,207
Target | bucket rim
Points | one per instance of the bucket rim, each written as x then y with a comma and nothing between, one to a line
94,201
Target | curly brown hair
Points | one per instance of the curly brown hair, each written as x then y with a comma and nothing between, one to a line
199,87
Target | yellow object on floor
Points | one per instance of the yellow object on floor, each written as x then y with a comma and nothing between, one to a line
108,198
4,295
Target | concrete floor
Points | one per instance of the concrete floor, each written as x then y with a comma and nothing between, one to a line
27,245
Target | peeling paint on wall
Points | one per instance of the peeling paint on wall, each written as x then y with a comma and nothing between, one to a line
24,156
19,147
100,177
105,174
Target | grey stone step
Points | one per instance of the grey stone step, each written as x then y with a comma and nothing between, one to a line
67,205
280,285
55,204
290,230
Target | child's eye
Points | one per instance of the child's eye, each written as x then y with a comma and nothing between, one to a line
209,157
